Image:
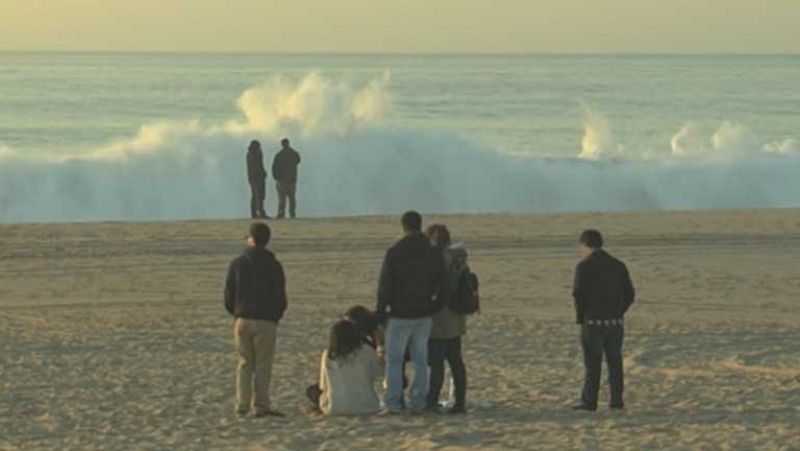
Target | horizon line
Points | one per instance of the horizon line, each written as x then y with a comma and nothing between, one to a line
389,54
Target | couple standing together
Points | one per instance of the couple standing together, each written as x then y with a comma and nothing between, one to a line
284,170
421,295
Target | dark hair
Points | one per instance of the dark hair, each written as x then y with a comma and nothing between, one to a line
363,318
261,233
254,144
442,235
591,238
412,221
344,339
285,142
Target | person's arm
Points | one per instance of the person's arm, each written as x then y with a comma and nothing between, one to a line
279,290
385,286
376,364
249,164
276,169
579,293
378,335
230,289
628,292
323,364
260,163
442,288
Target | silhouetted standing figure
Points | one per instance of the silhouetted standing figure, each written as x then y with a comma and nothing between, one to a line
257,177
603,293
284,170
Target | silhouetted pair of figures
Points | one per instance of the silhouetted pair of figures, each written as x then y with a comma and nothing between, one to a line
413,292
284,171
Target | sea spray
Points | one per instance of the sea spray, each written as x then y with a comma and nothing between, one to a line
355,164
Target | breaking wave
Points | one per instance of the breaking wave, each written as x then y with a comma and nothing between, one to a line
355,164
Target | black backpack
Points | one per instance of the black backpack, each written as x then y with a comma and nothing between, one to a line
466,299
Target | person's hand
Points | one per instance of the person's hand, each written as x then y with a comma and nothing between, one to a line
381,351
378,337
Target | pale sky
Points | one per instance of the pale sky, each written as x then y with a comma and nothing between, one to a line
403,26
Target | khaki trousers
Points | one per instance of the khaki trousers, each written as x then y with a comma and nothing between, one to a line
255,345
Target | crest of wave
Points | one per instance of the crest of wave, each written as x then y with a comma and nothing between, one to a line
315,105
729,140
281,106
598,141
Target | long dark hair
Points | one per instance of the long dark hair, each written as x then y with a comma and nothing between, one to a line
441,233
363,318
344,339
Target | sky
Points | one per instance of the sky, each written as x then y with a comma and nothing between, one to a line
403,26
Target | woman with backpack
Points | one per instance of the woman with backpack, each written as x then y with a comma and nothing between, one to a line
450,323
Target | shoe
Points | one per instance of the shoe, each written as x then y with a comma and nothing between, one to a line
389,412
264,216
456,410
582,406
268,413
242,413
617,407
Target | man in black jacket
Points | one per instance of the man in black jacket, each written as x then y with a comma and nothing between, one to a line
255,294
603,292
411,289
257,178
284,170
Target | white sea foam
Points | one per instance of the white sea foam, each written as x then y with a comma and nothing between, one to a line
598,141
355,164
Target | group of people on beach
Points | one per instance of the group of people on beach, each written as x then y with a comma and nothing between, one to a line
284,171
425,291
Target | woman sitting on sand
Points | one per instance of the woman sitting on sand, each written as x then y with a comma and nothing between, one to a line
348,371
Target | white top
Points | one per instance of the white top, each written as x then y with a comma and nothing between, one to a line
348,383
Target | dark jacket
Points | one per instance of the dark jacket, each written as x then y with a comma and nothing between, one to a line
284,166
256,287
255,166
602,288
447,323
413,280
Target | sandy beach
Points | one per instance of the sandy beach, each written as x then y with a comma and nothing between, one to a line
113,335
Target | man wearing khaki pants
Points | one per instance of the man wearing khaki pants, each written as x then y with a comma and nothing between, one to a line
255,294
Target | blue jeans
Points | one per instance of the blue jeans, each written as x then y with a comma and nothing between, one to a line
411,334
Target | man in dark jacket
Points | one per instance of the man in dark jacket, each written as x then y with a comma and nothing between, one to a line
284,170
603,292
410,291
257,177
255,294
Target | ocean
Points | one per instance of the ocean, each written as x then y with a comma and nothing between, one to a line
96,136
